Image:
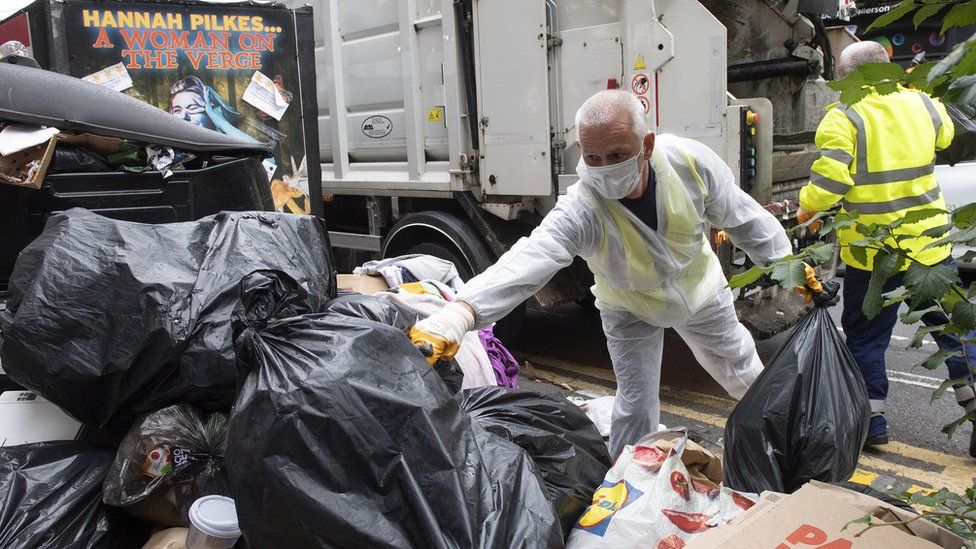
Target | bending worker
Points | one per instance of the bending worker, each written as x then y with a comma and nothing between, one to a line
639,216
878,159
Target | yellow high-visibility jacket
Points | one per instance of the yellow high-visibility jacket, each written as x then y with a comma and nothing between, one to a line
877,158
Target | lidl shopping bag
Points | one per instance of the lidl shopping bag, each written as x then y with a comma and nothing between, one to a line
660,493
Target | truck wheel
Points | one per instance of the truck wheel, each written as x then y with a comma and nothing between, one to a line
506,329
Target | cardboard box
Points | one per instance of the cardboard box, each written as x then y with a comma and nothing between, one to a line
26,417
361,284
16,169
815,516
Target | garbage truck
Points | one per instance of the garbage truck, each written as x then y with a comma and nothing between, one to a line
446,127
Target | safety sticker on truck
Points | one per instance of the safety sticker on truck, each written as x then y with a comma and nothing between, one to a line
646,102
435,115
639,65
377,126
640,83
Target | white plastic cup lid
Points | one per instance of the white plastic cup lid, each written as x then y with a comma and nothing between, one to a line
215,516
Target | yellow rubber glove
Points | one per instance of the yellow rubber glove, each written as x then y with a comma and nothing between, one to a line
433,347
811,287
803,216
439,336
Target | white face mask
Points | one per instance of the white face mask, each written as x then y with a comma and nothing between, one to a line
615,181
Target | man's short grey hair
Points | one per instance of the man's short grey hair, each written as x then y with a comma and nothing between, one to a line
858,54
605,106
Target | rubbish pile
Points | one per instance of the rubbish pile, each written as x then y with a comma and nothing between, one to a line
223,353
28,153
231,388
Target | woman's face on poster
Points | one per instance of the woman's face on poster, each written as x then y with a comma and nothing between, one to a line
190,107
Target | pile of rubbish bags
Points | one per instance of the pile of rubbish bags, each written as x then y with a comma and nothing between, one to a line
216,358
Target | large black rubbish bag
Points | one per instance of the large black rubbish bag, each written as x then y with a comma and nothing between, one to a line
963,146
343,436
563,443
371,308
52,499
805,417
111,319
167,461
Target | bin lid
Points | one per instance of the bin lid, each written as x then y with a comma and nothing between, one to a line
37,96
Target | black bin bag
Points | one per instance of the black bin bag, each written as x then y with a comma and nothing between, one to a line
52,499
166,461
563,443
343,436
805,417
963,146
111,319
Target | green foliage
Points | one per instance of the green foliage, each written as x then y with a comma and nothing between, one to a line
961,15
922,332
937,358
880,77
746,278
842,220
964,316
886,264
927,283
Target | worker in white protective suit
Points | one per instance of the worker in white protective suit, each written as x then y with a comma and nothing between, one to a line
639,215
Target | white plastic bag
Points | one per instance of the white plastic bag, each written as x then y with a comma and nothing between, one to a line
649,499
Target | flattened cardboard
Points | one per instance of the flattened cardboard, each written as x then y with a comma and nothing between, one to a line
815,516
361,284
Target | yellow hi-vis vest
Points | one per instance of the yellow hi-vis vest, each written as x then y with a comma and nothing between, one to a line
672,272
877,158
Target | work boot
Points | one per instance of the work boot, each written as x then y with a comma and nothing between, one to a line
877,431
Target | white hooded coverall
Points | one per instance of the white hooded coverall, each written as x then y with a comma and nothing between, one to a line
646,279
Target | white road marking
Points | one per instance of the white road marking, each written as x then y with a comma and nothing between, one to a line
911,379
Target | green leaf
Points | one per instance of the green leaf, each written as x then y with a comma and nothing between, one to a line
965,236
866,519
936,394
925,12
790,274
897,295
860,254
963,315
939,231
821,252
960,15
746,278
885,265
922,332
937,358
896,13
964,216
950,429
967,257
928,283
916,216
913,316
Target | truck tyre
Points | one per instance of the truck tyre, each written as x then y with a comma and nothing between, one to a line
448,237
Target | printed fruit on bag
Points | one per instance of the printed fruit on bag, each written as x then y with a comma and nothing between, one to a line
742,501
680,485
649,456
703,488
691,523
671,541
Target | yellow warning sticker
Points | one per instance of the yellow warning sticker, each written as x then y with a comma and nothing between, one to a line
435,115
639,65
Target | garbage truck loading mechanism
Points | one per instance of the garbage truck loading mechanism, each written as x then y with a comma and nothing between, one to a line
448,127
